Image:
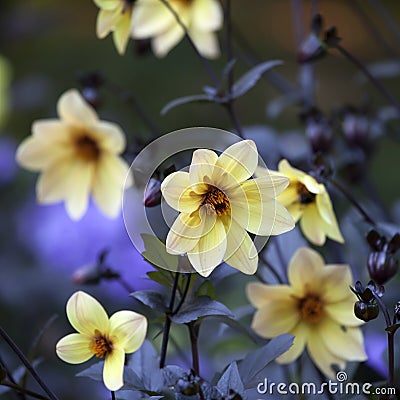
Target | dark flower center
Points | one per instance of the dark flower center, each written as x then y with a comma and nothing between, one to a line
101,345
217,200
305,196
87,149
311,308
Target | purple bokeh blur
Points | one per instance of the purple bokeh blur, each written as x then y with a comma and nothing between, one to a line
8,165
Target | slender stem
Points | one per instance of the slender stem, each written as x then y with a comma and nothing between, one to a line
167,325
23,391
112,395
10,377
125,285
207,66
352,200
235,120
194,335
27,364
372,79
184,294
130,98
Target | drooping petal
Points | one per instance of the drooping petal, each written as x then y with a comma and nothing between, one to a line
202,166
241,252
114,369
206,15
295,210
300,332
129,330
276,318
344,342
52,131
321,355
311,225
289,196
86,314
206,43
286,169
122,32
163,43
178,193
108,184
105,22
260,294
71,107
238,160
107,4
74,348
209,251
304,270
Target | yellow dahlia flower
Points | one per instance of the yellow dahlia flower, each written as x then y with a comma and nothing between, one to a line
115,16
153,19
218,203
316,307
100,336
308,201
78,156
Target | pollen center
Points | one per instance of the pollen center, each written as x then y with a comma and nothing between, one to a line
101,345
311,308
217,200
305,196
86,148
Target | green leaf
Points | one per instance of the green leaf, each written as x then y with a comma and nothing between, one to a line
250,78
231,381
206,289
150,298
251,367
156,253
199,307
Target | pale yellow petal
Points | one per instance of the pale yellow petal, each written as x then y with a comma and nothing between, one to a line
129,330
122,32
336,282
276,318
241,252
312,225
286,169
163,43
71,107
78,189
260,294
209,251
178,193
207,15
266,187
86,314
110,177
107,4
321,355
239,160
295,210
304,270
110,136
105,22
343,342
290,195
206,43
301,333
202,166
74,348
150,19
52,131
113,371
343,312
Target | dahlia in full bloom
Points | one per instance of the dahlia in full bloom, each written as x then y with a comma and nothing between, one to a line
115,16
78,155
316,307
218,204
152,19
109,338
308,201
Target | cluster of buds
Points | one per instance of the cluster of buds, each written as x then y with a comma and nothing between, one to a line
382,265
367,308
152,193
318,130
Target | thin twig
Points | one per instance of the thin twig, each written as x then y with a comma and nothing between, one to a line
10,377
184,294
194,335
27,364
23,391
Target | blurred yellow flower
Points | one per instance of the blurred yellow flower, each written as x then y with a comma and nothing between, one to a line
218,203
115,16
308,201
78,155
153,19
316,307
5,80
100,336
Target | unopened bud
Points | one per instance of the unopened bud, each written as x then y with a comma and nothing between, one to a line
366,311
355,128
86,275
152,194
312,49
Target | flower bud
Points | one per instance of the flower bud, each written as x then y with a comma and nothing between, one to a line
312,49
152,194
318,131
87,275
366,311
355,127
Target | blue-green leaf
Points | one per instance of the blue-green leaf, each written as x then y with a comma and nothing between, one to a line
155,300
185,100
231,381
